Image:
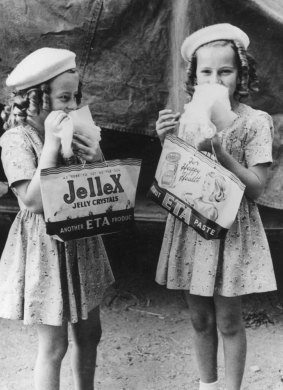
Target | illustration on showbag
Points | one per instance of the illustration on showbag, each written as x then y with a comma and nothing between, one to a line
196,189
170,168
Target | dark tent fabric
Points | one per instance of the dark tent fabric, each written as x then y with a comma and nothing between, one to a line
121,46
128,54
128,51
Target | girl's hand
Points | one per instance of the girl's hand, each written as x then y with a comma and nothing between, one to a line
86,147
52,125
166,123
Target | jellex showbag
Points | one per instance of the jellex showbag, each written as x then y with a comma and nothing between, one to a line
89,199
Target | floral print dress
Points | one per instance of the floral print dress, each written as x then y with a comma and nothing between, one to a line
241,263
43,280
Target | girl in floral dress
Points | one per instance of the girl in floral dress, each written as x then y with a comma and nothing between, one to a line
216,273
45,282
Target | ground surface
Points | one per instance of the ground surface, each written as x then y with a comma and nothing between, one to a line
147,337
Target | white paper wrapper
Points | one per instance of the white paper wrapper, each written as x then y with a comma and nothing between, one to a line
65,133
209,111
78,122
84,124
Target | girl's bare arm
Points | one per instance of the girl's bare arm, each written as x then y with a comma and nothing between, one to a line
253,177
29,190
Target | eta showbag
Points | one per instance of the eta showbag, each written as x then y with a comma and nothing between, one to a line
196,189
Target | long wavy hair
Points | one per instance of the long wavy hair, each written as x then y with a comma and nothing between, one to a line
30,102
219,193
246,64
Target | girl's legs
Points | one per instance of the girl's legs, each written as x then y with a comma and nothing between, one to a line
52,347
202,311
230,324
86,336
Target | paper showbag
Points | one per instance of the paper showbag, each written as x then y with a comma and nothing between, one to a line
196,189
86,200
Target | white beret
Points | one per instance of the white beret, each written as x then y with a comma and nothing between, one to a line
215,32
39,66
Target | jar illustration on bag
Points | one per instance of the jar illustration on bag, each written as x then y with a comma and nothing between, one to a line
170,168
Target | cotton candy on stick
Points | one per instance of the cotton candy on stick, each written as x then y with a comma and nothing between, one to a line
209,111
195,125
221,112
214,99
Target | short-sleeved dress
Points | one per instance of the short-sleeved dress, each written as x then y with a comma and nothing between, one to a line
43,280
241,263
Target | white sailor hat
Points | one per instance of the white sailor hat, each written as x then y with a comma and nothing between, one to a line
39,66
215,32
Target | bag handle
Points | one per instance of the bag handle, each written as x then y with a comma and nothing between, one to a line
212,155
213,151
103,158
72,159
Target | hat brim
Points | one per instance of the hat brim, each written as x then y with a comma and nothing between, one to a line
215,32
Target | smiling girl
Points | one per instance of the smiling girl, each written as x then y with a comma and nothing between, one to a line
44,282
216,273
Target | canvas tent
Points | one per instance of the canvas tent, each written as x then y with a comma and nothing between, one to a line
130,64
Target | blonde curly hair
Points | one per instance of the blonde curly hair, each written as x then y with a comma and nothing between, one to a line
30,102
246,66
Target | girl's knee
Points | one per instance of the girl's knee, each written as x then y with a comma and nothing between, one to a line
53,343
56,351
87,342
202,313
87,333
230,325
229,315
203,322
